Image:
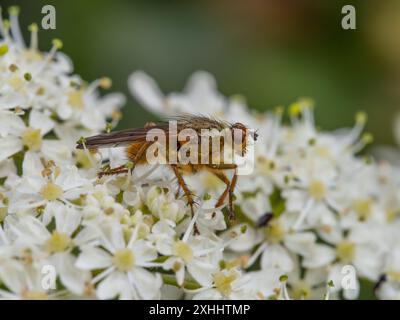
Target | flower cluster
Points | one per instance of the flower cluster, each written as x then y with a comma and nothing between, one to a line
310,209
315,211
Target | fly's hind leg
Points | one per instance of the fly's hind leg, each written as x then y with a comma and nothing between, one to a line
230,186
222,176
231,190
178,191
188,194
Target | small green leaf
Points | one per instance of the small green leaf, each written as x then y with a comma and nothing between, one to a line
277,202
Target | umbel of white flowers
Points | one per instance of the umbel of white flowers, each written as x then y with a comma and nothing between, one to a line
311,206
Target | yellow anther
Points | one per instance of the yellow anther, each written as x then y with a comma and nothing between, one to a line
57,43
124,259
184,251
51,191
27,76
295,109
13,10
33,27
345,251
361,117
367,138
105,83
283,278
58,242
13,67
3,49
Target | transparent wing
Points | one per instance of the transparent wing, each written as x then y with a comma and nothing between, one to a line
118,138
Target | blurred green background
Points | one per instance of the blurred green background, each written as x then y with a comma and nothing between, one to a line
271,51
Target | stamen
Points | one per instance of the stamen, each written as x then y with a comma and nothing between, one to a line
294,112
15,29
133,236
33,28
304,108
57,45
361,119
332,204
366,138
283,294
6,30
329,285
307,112
82,140
130,166
256,254
2,33
303,214
102,275
104,83
275,128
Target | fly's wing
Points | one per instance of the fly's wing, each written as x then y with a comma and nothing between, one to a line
128,136
198,122
120,138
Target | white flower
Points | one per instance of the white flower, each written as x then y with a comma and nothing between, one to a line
198,255
164,205
123,263
55,245
44,184
229,284
22,282
311,285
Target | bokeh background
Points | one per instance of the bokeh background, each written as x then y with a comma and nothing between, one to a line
271,51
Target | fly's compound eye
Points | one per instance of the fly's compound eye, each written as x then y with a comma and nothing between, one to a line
254,134
239,133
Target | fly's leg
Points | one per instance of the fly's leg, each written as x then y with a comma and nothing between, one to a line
109,171
230,188
178,191
222,176
188,194
125,168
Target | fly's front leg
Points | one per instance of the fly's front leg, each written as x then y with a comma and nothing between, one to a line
126,167
109,171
